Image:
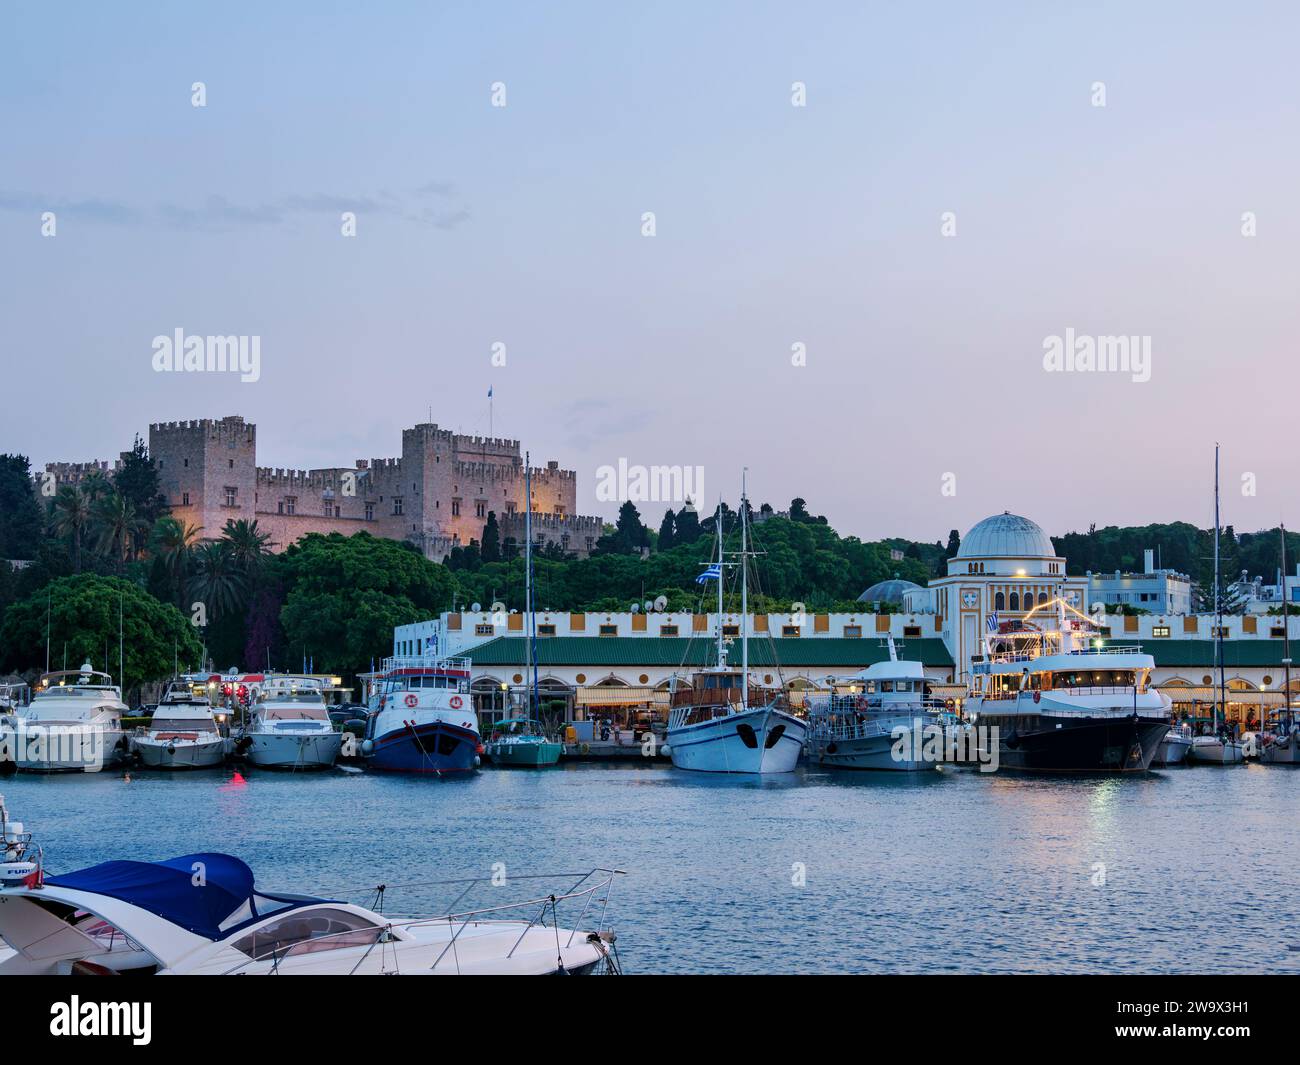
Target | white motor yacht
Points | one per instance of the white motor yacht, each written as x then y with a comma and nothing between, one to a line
1174,748
1216,750
289,726
74,724
185,732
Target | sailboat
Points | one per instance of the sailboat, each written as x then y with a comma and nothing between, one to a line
521,741
713,725
1217,749
1284,746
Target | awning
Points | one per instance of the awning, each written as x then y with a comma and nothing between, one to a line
1180,694
613,695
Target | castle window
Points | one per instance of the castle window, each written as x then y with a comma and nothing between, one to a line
185,499
186,463
480,508
397,505
455,508
230,496
370,512
559,510
232,463
290,504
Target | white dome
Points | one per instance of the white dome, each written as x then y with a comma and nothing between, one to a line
1006,535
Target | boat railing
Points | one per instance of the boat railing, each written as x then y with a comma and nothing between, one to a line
432,663
593,887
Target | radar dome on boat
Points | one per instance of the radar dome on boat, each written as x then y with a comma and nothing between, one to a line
1006,535
890,591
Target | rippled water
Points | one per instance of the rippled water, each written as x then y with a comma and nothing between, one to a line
952,872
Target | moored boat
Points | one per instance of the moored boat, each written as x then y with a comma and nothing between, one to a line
289,726
421,717
74,724
1216,750
184,732
522,743
1174,747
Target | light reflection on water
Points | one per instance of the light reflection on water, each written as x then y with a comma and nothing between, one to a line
943,872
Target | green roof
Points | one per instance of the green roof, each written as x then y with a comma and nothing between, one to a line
680,650
1242,653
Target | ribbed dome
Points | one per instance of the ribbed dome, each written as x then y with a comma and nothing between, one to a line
1006,535
887,591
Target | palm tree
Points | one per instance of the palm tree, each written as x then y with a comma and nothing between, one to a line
248,544
173,543
217,581
120,529
71,516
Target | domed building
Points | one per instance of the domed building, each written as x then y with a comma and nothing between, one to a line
1005,567
890,591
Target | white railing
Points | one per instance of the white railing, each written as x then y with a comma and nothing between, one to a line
431,662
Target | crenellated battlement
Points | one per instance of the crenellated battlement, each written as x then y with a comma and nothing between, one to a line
232,426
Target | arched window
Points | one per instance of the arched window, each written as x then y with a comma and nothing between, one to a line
1015,601
999,602
1042,598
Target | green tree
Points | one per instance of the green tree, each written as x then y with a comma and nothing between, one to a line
70,518
137,480
346,594
216,580
491,549
686,526
249,545
172,545
83,617
21,523
666,528
119,531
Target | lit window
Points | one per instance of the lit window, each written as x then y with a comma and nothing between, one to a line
1160,630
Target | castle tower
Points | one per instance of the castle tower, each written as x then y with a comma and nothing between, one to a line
207,470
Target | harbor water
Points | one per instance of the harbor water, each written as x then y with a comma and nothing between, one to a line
1189,869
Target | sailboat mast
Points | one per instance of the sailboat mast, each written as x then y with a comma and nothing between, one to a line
718,530
530,662
744,597
1286,641
1218,599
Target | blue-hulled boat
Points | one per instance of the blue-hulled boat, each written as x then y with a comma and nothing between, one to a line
421,717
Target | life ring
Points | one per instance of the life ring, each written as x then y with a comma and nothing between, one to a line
456,702
411,699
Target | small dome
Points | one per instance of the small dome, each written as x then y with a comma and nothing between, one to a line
1006,535
887,591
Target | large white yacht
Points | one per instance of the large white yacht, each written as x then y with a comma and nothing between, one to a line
74,724
1059,700
289,726
185,732
882,721
717,722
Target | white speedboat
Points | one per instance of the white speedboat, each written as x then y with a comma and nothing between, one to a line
1174,747
289,726
74,724
202,914
1214,750
884,722
184,732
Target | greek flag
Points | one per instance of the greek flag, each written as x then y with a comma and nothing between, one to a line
714,572
489,391
991,622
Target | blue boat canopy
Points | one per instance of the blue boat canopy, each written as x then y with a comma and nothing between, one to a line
208,894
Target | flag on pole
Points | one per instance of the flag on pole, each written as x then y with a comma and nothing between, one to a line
714,572
489,391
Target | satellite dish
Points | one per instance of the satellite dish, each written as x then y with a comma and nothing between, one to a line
661,602
475,608
636,607
649,605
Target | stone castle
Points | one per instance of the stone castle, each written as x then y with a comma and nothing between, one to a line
437,495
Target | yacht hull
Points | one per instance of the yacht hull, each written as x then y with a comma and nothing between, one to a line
433,747
316,750
1282,752
69,750
1110,744
162,754
1210,750
756,741
877,752
1173,750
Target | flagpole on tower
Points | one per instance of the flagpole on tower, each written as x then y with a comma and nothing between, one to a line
489,411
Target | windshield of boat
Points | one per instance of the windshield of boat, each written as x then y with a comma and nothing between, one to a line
182,724
278,710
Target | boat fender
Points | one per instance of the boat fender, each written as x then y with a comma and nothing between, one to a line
585,748
367,746
171,748
831,748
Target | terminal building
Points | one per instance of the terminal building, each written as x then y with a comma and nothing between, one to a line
603,663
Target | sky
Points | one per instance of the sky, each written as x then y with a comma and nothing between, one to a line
961,183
